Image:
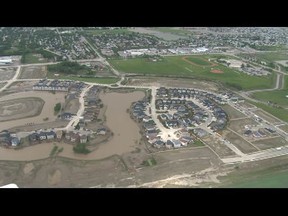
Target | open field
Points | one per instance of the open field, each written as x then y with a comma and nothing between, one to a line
238,125
166,33
188,168
32,58
219,147
271,173
176,66
239,142
106,31
232,112
270,143
7,73
172,82
179,168
277,112
272,56
284,128
278,97
265,116
33,72
173,30
20,108
104,80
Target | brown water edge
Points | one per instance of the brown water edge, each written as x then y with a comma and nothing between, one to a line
126,133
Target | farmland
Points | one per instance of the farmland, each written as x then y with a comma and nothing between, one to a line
192,67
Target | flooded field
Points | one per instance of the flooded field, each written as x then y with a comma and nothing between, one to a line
47,111
126,133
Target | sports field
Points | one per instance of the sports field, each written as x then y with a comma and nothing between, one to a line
196,66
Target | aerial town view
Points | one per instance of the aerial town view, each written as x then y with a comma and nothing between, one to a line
143,107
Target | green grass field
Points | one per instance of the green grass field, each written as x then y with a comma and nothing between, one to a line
199,61
104,80
172,30
277,112
106,31
272,56
176,66
30,58
278,97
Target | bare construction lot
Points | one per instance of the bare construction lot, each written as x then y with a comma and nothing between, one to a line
232,112
218,146
173,82
20,108
266,116
239,125
33,72
270,142
243,145
7,73
284,128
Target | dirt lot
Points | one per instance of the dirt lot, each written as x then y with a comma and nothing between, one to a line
220,148
284,128
173,82
265,116
177,168
239,142
270,142
7,73
232,112
246,105
238,125
19,86
33,72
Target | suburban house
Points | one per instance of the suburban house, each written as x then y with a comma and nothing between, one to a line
50,135
59,134
42,136
83,138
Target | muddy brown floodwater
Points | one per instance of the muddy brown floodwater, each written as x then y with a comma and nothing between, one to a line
46,112
126,133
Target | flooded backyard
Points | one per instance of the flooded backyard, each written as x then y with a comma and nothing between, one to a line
126,133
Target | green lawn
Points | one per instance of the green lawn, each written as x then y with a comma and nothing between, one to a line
106,31
95,80
104,80
199,61
277,112
176,66
278,97
272,56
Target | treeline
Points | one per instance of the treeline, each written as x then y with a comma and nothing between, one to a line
68,68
